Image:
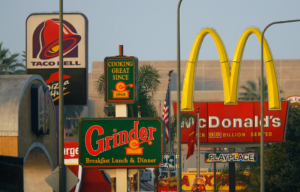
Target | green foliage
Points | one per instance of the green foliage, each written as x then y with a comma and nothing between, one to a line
9,63
112,110
253,180
242,178
72,112
282,160
252,92
148,85
101,84
173,124
148,79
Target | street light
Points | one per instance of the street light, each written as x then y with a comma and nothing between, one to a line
262,173
178,156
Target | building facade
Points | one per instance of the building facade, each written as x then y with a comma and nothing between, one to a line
208,80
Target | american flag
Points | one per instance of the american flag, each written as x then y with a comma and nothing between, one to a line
166,112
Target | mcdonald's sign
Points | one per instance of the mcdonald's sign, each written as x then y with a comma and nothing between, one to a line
232,121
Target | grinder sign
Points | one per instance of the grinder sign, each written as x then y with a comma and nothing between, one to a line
120,142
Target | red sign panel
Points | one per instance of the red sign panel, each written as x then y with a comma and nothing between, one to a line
71,150
239,123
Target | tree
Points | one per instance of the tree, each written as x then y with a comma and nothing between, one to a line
185,117
72,112
282,160
9,63
148,84
251,92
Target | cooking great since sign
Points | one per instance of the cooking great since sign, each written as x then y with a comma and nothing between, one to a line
121,74
120,142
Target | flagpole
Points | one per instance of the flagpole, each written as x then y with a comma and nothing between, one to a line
169,122
198,143
169,118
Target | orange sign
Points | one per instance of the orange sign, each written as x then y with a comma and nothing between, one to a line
120,91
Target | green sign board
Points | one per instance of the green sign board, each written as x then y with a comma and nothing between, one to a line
121,74
121,142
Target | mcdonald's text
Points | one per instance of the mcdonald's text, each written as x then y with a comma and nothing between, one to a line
240,123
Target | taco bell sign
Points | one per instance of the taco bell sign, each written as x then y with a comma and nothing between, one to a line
42,49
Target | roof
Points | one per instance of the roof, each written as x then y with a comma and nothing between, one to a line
12,88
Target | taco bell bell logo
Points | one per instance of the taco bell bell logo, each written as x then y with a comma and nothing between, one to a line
46,40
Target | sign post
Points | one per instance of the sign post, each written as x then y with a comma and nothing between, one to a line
121,88
121,74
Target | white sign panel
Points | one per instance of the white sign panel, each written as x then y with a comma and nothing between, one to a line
42,33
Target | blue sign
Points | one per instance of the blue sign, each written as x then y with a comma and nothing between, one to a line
169,161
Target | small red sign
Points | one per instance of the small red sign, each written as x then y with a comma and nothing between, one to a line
71,150
239,123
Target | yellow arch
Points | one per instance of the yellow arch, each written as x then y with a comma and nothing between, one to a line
230,78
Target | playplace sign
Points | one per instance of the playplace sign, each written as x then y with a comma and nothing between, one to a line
120,142
121,74
231,157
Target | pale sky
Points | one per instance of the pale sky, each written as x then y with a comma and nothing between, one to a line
147,28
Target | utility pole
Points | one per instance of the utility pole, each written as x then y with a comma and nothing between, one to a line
62,168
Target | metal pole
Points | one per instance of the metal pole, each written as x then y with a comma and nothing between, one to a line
138,180
231,173
62,169
215,176
138,172
178,157
169,131
198,143
169,118
262,171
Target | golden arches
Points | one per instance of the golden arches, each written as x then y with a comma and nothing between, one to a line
230,78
